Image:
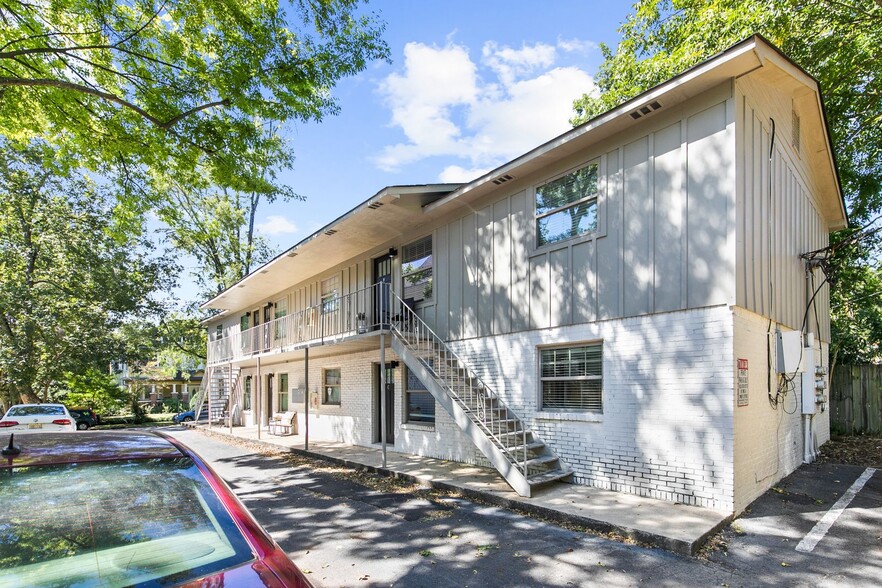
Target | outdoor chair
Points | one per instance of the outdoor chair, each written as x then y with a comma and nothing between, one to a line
283,424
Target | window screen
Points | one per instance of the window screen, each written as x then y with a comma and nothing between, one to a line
572,377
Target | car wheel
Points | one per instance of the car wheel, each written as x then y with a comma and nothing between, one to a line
82,426
187,419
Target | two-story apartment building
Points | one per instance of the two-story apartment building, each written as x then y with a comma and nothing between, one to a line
627,306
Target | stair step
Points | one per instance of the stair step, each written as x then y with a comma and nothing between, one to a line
542,460
548,477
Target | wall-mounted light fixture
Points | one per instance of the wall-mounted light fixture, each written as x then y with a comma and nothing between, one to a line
393,252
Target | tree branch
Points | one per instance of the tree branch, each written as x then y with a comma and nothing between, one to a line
63,85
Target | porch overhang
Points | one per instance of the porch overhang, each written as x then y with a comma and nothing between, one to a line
370,226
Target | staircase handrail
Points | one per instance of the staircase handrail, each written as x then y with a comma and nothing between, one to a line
199,397
491,423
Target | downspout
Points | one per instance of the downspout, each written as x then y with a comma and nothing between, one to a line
259,389
383,393
230,400
306,398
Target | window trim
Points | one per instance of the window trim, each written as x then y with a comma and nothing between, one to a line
280,392
325,387
246,394
431,282
329,299
597,197
408,392
559,413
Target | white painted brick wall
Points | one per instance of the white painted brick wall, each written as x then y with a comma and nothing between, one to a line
353,421
666,430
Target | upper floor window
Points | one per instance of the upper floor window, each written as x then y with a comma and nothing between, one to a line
280,311
416,269
572,377
330,294
566,207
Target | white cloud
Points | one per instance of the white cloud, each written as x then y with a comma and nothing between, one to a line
577,45
456,173
276,225
447,105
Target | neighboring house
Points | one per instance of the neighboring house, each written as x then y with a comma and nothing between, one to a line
155,388
607,306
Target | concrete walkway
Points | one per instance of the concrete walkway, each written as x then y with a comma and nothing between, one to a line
675,527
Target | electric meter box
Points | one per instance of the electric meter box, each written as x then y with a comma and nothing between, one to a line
789,351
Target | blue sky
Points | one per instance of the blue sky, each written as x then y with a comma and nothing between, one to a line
471,85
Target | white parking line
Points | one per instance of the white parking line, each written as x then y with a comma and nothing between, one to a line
820,529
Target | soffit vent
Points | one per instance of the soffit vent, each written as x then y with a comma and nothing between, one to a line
646,109
503,179
292,254
330,232
375,205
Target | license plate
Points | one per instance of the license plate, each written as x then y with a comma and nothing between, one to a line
35,426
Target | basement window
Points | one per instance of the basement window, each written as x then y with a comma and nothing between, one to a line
566,207
572,377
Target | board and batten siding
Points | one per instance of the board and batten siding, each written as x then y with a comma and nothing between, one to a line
665,240
774,228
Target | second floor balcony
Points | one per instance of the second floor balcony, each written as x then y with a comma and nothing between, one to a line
362,313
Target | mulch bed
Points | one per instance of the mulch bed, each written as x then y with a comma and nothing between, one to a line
859,450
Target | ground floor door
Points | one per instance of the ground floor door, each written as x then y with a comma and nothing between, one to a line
389,405
267,400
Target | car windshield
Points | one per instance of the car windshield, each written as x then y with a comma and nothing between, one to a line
21,411
139,522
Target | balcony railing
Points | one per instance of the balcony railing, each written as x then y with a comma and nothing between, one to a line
331,321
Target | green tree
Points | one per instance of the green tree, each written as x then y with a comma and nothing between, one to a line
95,388
180,88
836,41
68,278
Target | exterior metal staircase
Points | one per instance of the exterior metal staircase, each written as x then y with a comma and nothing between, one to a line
523,459
216,385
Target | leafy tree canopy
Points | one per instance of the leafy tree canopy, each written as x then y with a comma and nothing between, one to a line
177,86
836,41
66,279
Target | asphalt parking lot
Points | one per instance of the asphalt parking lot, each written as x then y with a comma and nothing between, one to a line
766,539
346,534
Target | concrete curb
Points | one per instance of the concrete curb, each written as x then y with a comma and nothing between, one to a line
680,547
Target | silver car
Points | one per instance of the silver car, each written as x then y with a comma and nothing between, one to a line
32,418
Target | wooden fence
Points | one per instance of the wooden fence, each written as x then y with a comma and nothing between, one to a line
856,399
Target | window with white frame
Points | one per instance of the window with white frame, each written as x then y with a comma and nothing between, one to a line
566,207
420,402
283,392
330,294
331,380
572,377
280,311
416,269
